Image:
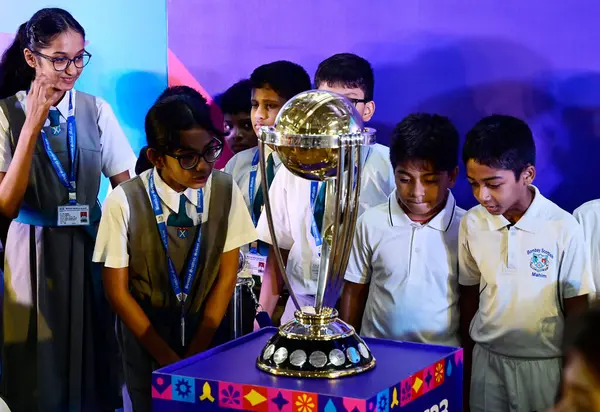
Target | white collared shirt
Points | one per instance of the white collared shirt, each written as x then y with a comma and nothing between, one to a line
588,216
239,168
111,243
524,273
378,179
412,269
116,153
292,215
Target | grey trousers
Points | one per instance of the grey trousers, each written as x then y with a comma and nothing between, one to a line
502,384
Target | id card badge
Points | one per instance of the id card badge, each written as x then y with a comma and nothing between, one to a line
316,264
73,215
257,263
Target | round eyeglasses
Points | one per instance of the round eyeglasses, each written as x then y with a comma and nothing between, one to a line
62,63
189,161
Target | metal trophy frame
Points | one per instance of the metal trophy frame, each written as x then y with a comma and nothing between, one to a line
317,344
244,280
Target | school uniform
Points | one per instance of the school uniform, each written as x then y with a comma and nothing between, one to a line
129,238
412,272
240,166
525,272
378,179
295,202
58,350
588,216
244,167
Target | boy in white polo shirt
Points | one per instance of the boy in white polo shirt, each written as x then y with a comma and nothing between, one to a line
402,277
522,270
290,195
588,216
272,85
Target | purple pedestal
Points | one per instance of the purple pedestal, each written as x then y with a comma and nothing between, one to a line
407,377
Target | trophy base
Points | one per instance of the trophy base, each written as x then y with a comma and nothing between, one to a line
316,346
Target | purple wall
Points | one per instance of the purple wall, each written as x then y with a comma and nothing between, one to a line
461,58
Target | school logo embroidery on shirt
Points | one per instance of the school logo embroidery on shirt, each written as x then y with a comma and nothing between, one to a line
540,259
182,232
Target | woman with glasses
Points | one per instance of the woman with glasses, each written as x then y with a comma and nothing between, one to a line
55,142
169,240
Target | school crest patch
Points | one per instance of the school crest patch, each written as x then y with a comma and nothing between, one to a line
539,261
182,232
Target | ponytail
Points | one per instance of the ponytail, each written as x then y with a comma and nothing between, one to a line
143,163
15,73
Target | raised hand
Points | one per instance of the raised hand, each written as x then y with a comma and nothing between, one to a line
39,100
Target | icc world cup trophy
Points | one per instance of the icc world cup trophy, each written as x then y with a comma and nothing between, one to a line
320,136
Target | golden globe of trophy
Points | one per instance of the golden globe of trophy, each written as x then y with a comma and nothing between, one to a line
320,136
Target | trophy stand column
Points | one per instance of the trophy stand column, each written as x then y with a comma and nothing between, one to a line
238,318
243,291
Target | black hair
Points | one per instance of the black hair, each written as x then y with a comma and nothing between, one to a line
425,137
172,113
36,34
347,70
287,79
143,163
501,142
182,91
582,334
236,99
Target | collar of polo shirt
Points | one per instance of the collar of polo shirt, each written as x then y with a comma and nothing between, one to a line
529,222
441,221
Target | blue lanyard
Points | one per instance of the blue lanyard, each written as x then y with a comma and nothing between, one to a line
252,186
314,230
192,267
70,181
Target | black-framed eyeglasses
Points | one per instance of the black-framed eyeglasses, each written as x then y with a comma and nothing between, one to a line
62,63
355,102
189,161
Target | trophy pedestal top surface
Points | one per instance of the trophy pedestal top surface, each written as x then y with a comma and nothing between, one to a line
408,376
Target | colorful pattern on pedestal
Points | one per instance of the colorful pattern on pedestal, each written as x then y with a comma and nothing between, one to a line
408,377
213,395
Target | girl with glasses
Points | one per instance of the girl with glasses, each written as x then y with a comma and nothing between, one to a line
169,240
55,143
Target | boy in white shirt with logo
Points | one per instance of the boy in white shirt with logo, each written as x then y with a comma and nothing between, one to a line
522,270
402,277
352,76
